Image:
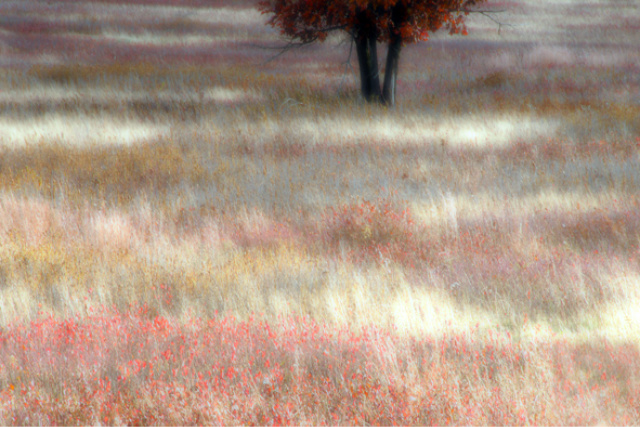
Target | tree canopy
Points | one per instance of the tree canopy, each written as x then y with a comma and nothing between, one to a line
394,22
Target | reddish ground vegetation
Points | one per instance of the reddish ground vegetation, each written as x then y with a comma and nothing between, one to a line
134,368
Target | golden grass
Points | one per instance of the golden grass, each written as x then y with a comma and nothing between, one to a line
219,182
498,199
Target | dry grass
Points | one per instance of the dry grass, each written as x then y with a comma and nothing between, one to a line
196,181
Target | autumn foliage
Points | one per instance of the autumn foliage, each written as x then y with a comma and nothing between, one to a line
395,22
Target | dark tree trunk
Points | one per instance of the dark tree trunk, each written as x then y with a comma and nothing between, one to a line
366,38
399,15
375,73
365,82
391,72
368,63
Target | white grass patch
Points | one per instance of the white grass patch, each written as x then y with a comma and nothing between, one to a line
230,16
161,38
254,221
109,97
78,130
17,302
111,229
621,318
384,297
143,13
496,130
51,94
474,131
446,211
434,313
230,95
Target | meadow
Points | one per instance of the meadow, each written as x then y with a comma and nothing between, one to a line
195,232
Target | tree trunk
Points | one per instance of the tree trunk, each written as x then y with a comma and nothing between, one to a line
368,63
365,82
399,15
366,38
391,72
373,67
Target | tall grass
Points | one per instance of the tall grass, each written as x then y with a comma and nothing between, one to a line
183,186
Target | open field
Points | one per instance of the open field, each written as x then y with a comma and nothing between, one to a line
193,234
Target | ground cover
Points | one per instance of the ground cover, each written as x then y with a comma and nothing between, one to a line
190,233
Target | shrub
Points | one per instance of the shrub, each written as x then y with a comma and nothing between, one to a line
373,231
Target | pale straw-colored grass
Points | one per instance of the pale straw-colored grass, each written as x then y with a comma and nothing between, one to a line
219,181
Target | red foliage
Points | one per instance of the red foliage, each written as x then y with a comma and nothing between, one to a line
133,368
411,20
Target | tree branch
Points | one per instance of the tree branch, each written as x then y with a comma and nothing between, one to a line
283,49
294,45
487,13
347,63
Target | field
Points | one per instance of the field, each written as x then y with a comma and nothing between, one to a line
195,232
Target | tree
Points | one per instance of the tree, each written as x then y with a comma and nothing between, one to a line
394,22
